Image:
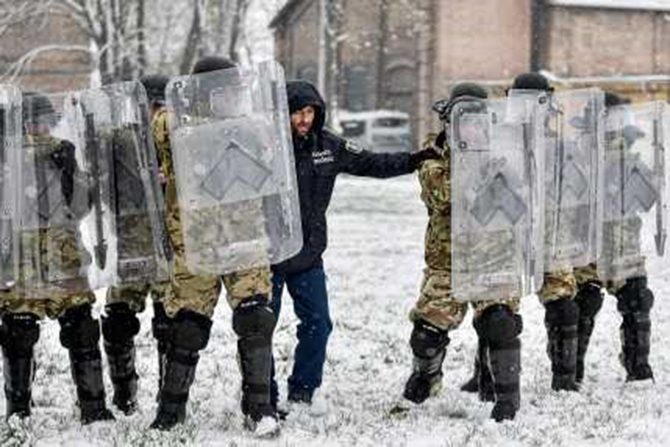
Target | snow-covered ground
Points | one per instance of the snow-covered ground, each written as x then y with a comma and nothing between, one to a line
374,267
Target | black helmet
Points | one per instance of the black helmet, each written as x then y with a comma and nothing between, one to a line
460,92
212,63
155,87
532,81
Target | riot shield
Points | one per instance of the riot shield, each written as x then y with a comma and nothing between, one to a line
495,190
234,168
120,156
636,190
90,208
10,144
573,178
55,199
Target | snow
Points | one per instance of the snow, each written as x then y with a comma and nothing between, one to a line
374,267
655,5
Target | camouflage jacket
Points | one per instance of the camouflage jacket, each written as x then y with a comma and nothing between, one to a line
434,176
161,133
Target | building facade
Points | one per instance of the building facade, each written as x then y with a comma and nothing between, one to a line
403,54
55,49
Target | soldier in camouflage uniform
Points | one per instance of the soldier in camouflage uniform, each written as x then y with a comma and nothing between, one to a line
189,305
437,312
634,298
570,311
120,324
56,246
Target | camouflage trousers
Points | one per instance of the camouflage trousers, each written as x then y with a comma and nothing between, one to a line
14,303
135,295
564,282
437,307
200,293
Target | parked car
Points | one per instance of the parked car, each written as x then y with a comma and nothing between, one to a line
378,130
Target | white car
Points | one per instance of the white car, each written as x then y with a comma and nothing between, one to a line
378,130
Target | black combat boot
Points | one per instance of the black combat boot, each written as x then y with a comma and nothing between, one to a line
80,335
472,385
481,381
635,301
589,299
20,333
500,327
254,322
188,334
160,326
429,345
119,329
561,319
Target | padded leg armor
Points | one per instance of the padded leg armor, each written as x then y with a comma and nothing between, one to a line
481,382
429,346
160,326
561,319
472,385
254,322
188,334
20,333
635,301
119,329
80,335
500,327
589,299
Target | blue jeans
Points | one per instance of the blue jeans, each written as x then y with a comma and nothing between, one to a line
310,303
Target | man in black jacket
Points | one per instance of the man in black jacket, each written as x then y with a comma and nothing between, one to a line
320,156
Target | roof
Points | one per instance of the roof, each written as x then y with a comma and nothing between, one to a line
285,12
653,5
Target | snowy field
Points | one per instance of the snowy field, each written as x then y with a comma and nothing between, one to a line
374,266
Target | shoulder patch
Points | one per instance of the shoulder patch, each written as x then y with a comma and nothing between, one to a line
352,147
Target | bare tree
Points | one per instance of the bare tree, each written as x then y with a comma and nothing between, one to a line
127,38
13,12
114,30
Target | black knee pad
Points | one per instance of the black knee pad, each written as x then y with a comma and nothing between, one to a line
499,324
78,328
427,341
190,331
20,332
590,300
160,324
563,312
120,325
635,296
254,317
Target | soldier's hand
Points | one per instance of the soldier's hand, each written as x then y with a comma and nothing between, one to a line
64,158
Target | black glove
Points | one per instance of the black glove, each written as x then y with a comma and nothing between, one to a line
64,159
419,157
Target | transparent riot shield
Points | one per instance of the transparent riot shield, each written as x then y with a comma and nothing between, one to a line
56,198
125,191
636,190
234,168
573,178
495,187
10,145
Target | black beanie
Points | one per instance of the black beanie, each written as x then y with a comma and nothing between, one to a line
155,87
468,89
531,81
212,63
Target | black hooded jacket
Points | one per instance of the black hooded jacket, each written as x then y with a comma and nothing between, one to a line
320,157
